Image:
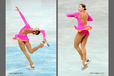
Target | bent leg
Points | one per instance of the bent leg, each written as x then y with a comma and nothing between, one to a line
83,44
77,41
30,49
22,47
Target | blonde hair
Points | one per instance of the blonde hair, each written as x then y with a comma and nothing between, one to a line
84,18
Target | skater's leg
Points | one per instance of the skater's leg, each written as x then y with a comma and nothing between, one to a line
79,36
22,47
83,44
30,49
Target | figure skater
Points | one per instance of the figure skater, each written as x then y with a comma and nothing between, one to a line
23,40
82,35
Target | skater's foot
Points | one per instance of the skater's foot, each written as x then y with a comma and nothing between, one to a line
45,44
84,62
42,43
85,65
32,66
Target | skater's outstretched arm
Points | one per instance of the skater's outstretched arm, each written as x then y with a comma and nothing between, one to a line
43,33
72,15
23,18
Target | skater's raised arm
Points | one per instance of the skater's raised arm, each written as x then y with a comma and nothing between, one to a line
23,18
72,15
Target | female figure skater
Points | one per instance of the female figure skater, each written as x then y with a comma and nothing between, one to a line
82,35
23,40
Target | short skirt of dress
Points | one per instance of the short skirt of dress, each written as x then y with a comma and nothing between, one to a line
21,37
79,29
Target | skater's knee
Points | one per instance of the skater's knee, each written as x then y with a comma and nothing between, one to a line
84,52
30,51
76,46
41,45
82,46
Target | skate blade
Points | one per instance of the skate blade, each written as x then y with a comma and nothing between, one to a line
46,44
84,68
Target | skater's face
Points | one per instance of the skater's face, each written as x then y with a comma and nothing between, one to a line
80,8
36,28
36,31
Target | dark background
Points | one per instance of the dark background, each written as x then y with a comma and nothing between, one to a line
2,37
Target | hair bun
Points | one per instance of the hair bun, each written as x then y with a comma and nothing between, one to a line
84,6
85,9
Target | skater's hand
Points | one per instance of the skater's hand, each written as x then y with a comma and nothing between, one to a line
17,8
45,39
75,17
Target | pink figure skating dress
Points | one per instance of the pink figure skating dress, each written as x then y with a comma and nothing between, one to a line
20,35
81,28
